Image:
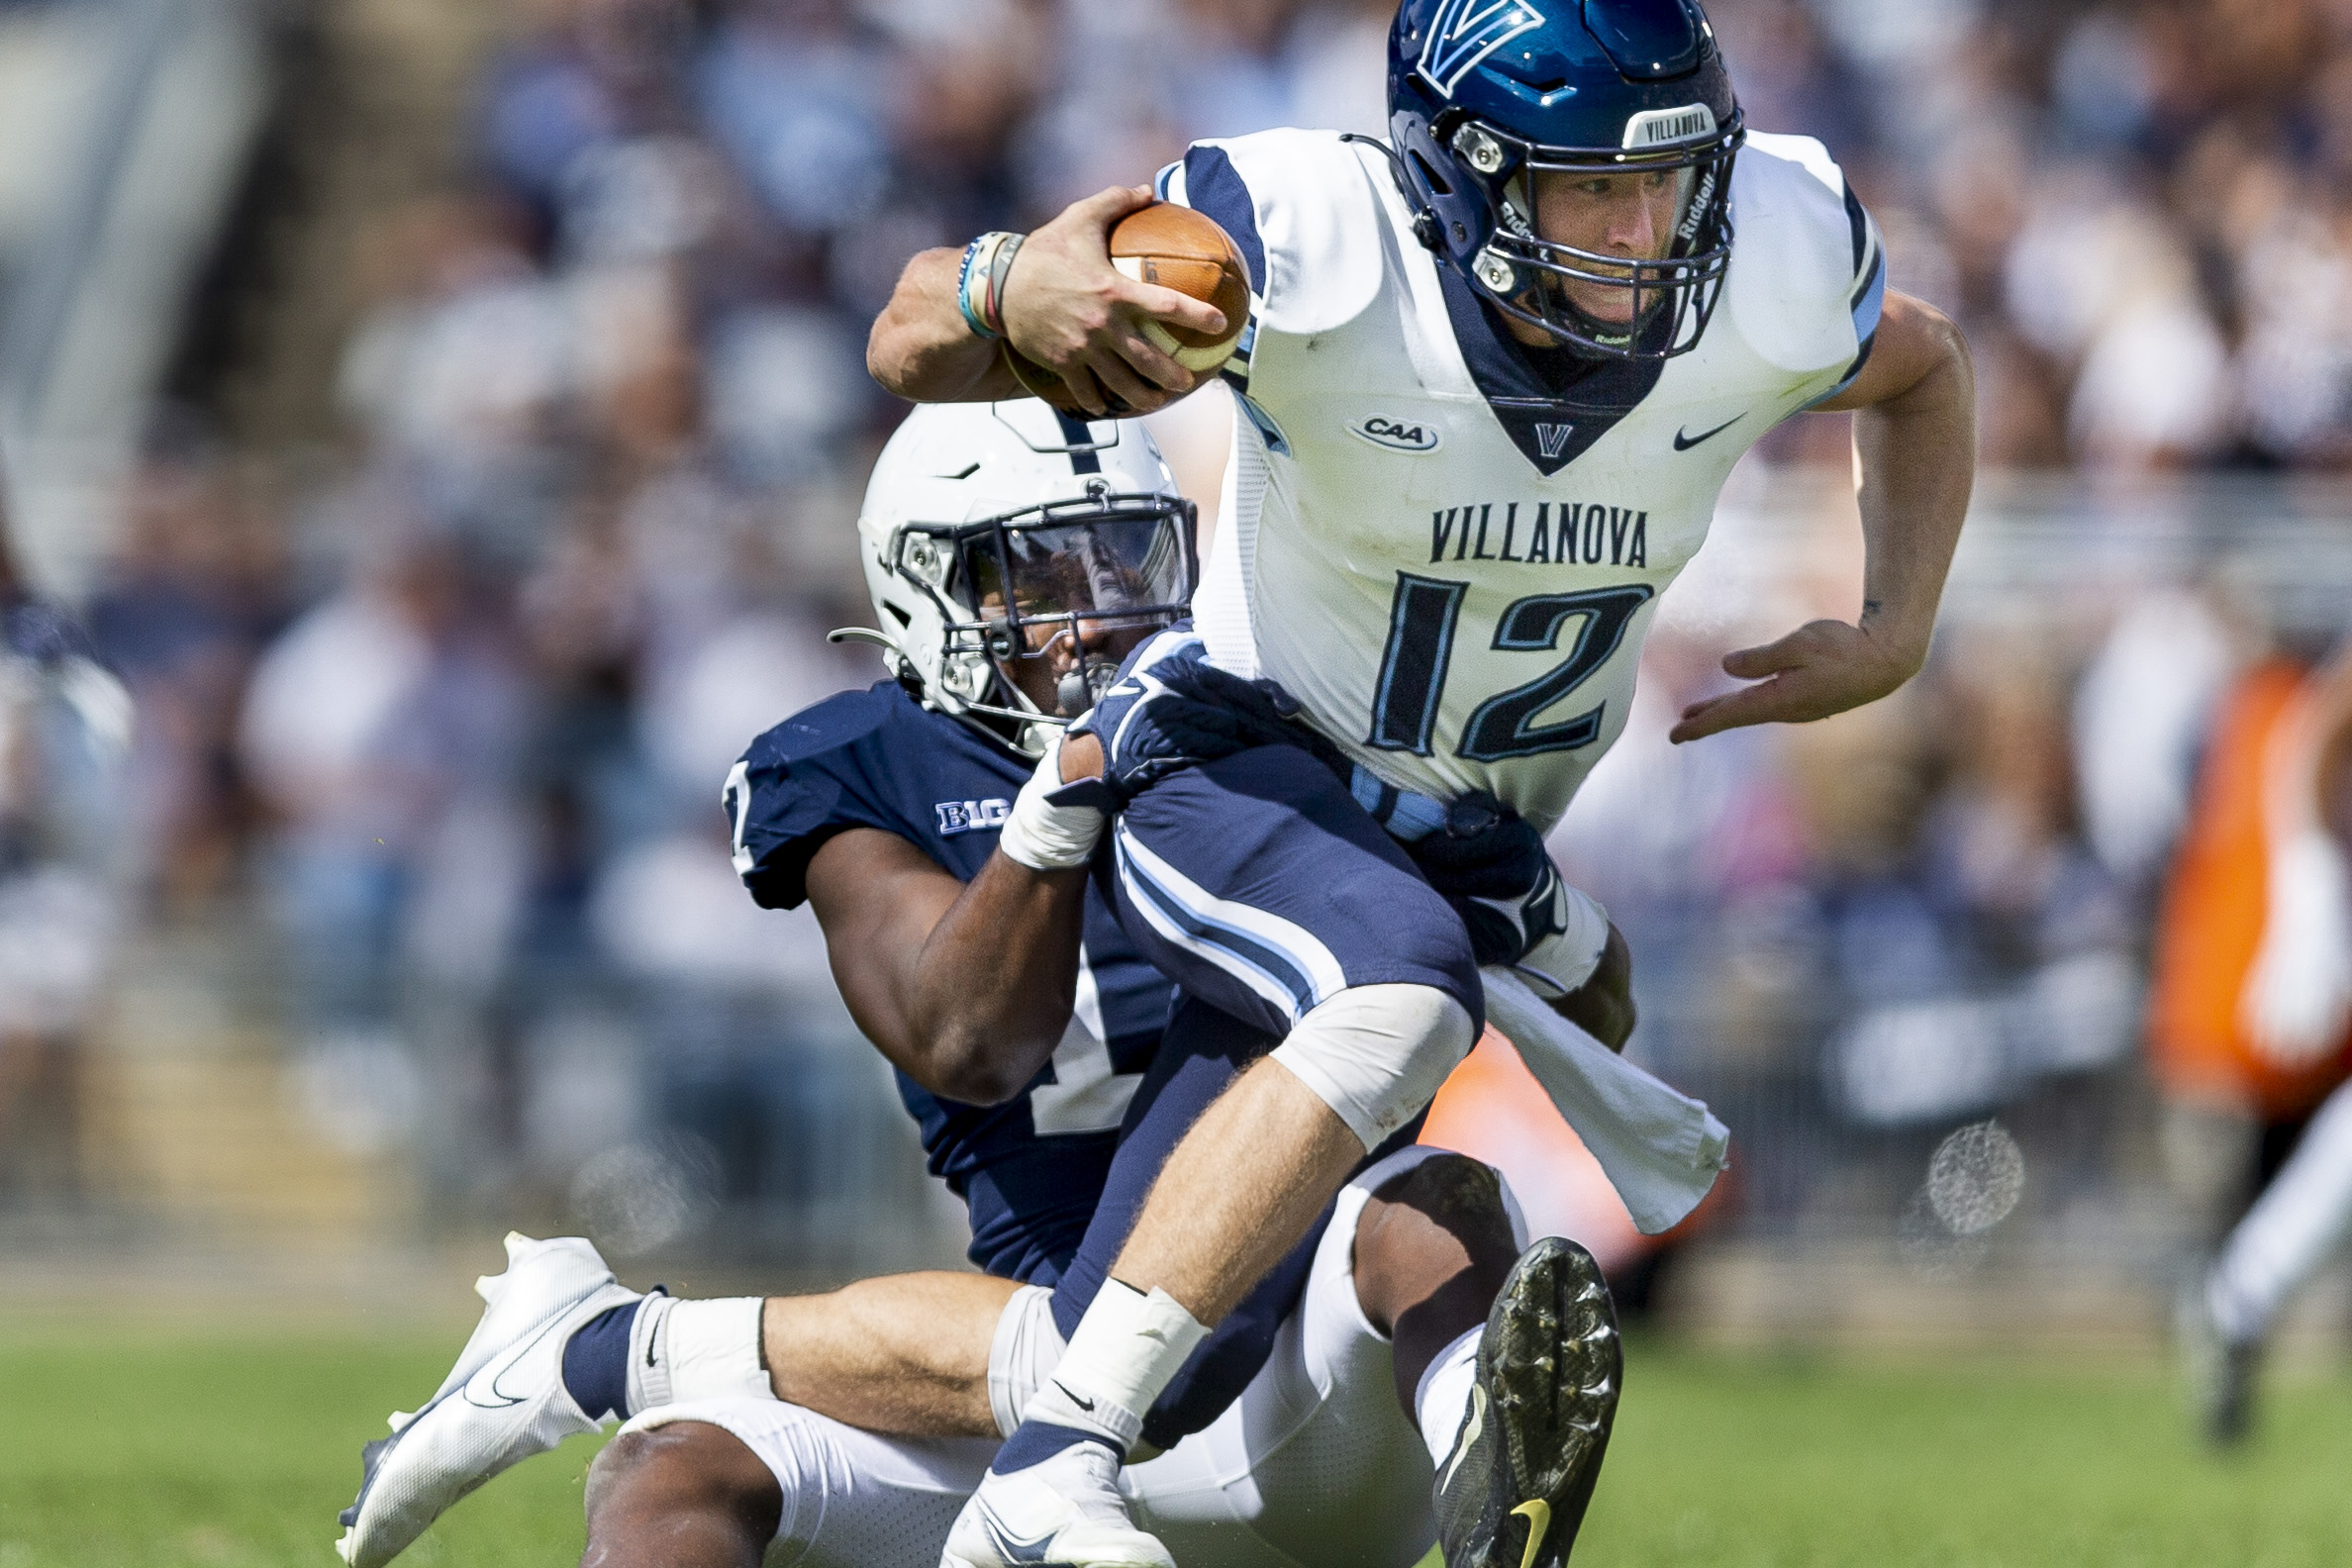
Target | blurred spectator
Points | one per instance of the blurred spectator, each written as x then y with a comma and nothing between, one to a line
179,614
380,730
64,732
584,72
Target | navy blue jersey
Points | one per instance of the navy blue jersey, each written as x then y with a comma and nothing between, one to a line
1029,1170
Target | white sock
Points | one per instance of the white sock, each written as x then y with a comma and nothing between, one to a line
681,1350
2290,1230
1127,1347
1444,1394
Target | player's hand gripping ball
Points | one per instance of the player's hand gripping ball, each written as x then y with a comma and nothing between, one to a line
1175,248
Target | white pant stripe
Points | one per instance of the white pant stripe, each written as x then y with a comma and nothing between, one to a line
1292,942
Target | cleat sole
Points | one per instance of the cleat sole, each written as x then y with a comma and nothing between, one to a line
1559,1356
1553,1364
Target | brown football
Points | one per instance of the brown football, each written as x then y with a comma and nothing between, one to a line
1175,248
1190,252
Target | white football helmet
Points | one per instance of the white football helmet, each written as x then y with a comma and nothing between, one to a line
991,531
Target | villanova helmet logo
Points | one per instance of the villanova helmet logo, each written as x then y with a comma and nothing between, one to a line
1464,32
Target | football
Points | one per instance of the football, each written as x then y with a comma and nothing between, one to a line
1175,248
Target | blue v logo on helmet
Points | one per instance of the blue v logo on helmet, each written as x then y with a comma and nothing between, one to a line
1488,98
1464,32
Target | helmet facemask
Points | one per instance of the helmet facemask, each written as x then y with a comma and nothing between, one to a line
1669,297
1050,599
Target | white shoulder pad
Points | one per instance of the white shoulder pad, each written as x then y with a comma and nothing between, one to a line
1806,275
1313,213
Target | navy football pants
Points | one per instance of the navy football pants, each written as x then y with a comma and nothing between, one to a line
1262,887
1258,884
1202,1054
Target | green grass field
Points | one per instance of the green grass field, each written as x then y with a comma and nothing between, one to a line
135,1448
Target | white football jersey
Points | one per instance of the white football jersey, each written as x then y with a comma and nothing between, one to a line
1446,549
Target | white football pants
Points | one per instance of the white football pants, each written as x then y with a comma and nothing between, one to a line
2289,1231
1313,1466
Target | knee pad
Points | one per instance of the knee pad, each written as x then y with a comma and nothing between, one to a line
1023,1355
1377,1053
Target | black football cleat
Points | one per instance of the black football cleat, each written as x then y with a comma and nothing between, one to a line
1513,1492
2220,1371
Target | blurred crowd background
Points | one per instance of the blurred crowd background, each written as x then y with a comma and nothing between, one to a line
448,420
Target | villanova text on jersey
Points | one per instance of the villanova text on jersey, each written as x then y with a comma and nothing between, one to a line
1566,533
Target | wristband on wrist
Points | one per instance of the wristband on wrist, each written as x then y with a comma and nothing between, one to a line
1000,267
1043,835
963,291
980,281
1046,836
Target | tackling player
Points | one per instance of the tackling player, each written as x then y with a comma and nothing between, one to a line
1498,372
1007,549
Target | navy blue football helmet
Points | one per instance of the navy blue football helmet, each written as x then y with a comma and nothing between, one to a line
1485,95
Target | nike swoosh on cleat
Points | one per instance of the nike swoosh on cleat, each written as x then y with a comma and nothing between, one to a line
1539,1515
1470,1430
500,1398
1012,1547
1683,442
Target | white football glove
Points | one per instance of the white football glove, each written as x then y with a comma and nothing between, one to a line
1575,933
2298,998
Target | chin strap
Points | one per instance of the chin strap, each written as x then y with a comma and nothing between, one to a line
1424,220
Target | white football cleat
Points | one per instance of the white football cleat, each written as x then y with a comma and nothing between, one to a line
1065,1510
503,1402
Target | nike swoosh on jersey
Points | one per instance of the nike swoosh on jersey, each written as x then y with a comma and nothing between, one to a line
1469,1437
1684,442
1539,1515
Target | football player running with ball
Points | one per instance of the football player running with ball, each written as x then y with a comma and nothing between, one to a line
1498,371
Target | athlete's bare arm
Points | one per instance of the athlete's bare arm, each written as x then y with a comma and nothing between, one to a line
965,987
1602,1007
1915,436
1065,307
688,1495
1431,1250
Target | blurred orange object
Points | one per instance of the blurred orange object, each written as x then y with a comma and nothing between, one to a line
2211,925
1492,1109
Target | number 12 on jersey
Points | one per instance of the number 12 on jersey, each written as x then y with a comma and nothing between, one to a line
1420,640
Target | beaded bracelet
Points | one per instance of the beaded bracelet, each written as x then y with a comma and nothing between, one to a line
980,283
963,289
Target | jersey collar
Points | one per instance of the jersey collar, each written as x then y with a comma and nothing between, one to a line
1552,418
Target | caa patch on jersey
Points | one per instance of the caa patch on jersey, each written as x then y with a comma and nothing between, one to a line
1397,435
